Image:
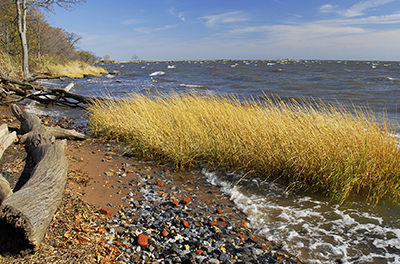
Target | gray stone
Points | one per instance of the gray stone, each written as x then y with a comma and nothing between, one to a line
213,261
224,257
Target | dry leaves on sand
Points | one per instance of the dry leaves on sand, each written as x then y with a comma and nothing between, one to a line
76,235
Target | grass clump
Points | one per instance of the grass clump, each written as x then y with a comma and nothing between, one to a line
70,68
312,145
10,65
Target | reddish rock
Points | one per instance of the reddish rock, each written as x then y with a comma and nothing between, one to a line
143,240
105,211
191,182
219,210
176,203
114,166
166,171
221,223
107,154
165,233
242,237
160,184
221,218
199,252
213,223
185,223
186,200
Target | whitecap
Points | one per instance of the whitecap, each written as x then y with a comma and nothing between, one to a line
192,85
157,73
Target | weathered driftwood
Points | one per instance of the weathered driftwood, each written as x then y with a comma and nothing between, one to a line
55,132
5,189
26,214
6,139
54,96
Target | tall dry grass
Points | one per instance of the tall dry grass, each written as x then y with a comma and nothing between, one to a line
10,65
72,69
312,145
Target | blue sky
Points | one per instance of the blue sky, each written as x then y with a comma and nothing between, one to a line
236,29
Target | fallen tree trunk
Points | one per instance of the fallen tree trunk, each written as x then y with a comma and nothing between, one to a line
26,214
53,96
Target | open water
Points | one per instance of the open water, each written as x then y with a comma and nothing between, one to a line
309,226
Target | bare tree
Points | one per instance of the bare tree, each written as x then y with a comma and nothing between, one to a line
72,38
22,9
21,13
135,57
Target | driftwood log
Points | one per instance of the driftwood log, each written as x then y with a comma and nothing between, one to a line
15,91
6,139
26,214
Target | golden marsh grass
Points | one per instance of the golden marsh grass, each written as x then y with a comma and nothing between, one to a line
73,69
310,144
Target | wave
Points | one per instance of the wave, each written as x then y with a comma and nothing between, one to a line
193,86
383,78
157,73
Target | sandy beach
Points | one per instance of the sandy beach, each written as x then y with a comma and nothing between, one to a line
109,190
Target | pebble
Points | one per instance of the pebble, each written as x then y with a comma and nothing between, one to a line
164,230
105,211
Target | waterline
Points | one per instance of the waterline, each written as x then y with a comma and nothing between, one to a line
315,229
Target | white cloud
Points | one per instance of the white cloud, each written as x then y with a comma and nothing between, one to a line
327,8
297,15
359,8
304,31
355,10
132,21
324,27
386,19
180,15
166,27
231,17
347,38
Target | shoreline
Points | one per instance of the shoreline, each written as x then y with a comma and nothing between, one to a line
121,192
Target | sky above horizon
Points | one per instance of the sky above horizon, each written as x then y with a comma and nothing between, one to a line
236,29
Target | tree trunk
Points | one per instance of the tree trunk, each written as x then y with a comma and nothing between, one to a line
27,213
21,12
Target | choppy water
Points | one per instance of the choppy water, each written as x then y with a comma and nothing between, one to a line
309,226
312,227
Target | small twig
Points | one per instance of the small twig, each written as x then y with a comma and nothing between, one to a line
243,177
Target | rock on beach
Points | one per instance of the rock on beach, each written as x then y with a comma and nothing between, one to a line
185,226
